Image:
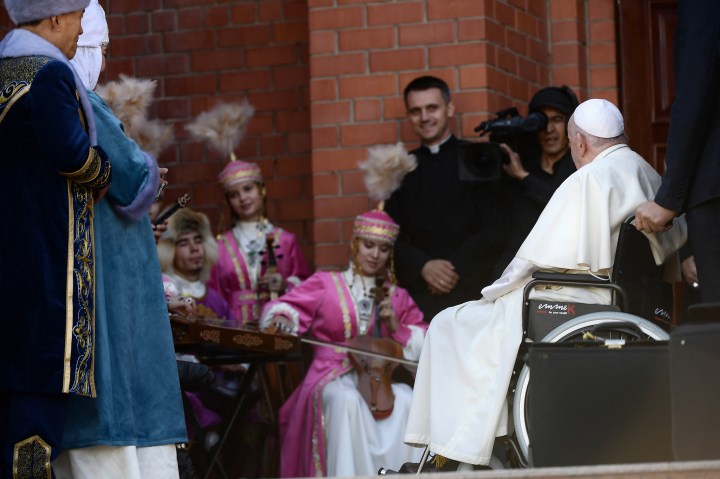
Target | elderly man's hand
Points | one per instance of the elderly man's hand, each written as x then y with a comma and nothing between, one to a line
650,217
440,276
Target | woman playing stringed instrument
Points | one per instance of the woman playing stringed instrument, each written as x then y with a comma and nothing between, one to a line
326,427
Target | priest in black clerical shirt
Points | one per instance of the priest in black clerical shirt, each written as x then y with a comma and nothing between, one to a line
451,229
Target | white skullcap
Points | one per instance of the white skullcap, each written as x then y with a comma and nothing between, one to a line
23,11
599,118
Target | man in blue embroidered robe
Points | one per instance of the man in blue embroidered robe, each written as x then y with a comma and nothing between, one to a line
53,172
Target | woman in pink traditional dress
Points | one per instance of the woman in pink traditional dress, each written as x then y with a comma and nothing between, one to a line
241,270
326,427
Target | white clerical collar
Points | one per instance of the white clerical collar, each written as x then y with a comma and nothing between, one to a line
435,149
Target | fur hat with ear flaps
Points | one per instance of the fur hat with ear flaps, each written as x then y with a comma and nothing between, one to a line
187,221
24,11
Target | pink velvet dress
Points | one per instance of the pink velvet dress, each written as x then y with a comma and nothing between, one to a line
323,307
233,277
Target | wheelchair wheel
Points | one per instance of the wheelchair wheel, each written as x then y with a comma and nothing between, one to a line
604,325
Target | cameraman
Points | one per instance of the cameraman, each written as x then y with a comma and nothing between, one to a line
532,179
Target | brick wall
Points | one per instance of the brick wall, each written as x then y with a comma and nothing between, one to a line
326,78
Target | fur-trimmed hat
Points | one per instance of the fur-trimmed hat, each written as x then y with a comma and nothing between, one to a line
187,221
24,11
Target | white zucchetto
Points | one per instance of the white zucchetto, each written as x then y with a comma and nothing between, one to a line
599,118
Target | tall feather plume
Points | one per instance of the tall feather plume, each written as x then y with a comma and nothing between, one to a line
153,136
222,128
129,98
385,167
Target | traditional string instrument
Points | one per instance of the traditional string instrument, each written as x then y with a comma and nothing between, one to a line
264,292
375,371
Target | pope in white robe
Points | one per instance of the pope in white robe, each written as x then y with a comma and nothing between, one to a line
459,401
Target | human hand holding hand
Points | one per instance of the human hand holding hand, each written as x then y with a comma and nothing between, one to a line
440,276
650,217
514,168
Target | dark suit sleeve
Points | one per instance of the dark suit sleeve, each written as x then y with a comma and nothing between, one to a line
409,260
697,80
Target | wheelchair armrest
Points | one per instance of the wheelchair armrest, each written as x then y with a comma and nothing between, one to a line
570,278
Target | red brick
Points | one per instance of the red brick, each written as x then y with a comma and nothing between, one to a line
397,60
299,142
243,13
340,207
192,172
367,110
273,145
295,11
495,32
294,165
601,9
564,9
330,113
324,136
537,9
323,89
137,24
471,29
250,35
331,256
244,80
471,101
473,77
190,18
116,24
270,56
326,184
173,108
290,76
353,182
505,15
447,74
463,54
565,75
368,134
602,31
439,32
603,77
269,10
335,18
294,210
336,160
127,47
323,42
367,38
528,24
603,54
439,9
190,85
368,85
507,61
261,123
285,188
186,41
343,64
326,231
181,3
216,60
292,120
162,21
528,70
395,13
566,54
566,31
290,32
394,108
217,16
320,3
274,100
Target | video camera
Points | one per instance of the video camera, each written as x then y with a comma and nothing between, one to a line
482,161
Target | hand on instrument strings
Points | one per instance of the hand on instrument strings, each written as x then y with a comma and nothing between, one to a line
182,305
274,282
386,314
650,217
440,276
279,324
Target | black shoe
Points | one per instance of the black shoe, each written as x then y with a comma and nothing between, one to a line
449,465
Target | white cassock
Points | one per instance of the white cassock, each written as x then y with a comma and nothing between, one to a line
459,402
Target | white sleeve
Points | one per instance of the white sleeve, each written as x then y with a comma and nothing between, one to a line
516,275
412,349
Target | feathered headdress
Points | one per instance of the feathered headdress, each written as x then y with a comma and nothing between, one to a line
129,98
385,167
222,128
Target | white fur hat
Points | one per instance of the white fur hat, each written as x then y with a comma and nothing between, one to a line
23,11
599,118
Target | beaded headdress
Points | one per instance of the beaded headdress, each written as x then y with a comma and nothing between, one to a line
238,172
376,225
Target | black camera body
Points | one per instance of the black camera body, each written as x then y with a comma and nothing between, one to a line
482,161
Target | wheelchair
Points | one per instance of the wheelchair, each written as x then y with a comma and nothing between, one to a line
639,311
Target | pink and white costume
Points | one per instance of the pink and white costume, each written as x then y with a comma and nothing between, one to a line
326,427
